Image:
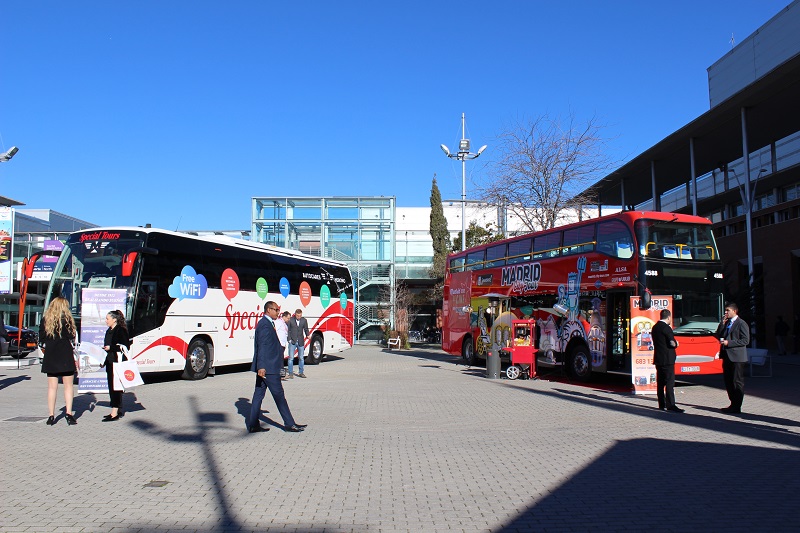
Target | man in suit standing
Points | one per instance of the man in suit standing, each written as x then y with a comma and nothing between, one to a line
664,345
298,331
734,336
282,329
267,364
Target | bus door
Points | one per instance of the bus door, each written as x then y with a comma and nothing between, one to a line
146,307
618,321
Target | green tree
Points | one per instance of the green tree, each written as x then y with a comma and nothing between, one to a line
439,233
477,235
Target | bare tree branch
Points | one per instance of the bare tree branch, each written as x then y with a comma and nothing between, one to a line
542,166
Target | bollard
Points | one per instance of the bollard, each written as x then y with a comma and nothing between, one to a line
493,363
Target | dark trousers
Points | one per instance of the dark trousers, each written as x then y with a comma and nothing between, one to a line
116,395
665,381
273,383
734,381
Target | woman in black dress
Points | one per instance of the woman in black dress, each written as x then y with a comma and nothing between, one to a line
57,335
116,334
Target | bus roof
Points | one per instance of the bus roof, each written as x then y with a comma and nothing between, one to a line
630,216
221,239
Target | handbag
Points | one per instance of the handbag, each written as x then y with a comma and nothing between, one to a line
126,373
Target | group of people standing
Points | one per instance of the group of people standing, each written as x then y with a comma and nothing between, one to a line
734,336
276,332
292,333
58,337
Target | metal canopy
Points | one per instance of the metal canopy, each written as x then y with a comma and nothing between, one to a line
9,202
773,112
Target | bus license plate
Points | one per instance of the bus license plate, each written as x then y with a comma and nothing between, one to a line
690,369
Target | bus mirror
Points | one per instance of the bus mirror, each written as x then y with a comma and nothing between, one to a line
130,258
127,263
646,301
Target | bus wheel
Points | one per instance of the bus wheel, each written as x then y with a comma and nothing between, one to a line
468,352
197,360
513,372
315,350
580,363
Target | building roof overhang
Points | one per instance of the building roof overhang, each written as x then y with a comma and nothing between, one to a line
772,112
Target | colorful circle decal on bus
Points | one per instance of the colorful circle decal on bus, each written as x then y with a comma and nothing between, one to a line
230,283
262,288
284,287
343,300
305,293
189,284
324,296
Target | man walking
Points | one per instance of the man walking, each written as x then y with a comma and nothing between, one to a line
298,331
734,336
267,364
664,356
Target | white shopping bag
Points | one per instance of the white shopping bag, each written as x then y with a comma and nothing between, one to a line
126,373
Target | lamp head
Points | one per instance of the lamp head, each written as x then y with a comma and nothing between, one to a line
481,149
445,149
6,156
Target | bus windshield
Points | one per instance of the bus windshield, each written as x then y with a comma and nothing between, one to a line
93,260
675,240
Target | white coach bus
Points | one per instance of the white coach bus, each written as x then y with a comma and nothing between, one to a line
192,303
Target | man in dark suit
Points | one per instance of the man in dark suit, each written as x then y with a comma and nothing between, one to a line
664,345
734,336
298,331
267,364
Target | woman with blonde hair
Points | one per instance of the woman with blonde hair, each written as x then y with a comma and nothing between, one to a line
57,334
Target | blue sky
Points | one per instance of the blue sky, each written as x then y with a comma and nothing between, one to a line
177,113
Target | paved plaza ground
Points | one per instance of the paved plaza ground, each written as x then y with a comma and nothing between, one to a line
406,440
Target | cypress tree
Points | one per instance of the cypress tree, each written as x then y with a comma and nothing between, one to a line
439,233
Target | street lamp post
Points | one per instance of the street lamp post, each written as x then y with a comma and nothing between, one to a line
747,193
462,155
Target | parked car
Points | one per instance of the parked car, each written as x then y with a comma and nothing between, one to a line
8,342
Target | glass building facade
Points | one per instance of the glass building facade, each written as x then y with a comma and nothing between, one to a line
359,231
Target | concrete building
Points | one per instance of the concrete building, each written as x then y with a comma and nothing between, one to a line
738,164
32,229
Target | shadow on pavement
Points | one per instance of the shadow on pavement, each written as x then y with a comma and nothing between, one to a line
203,422
7,382
668,485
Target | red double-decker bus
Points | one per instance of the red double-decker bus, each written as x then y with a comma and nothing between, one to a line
582,284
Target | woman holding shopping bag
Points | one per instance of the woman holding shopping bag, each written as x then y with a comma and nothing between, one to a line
57,334
116,334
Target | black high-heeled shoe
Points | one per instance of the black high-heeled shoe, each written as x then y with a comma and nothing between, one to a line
51,421
70,419
109,418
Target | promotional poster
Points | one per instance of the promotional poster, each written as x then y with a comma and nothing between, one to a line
643,371
95,305
6,247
